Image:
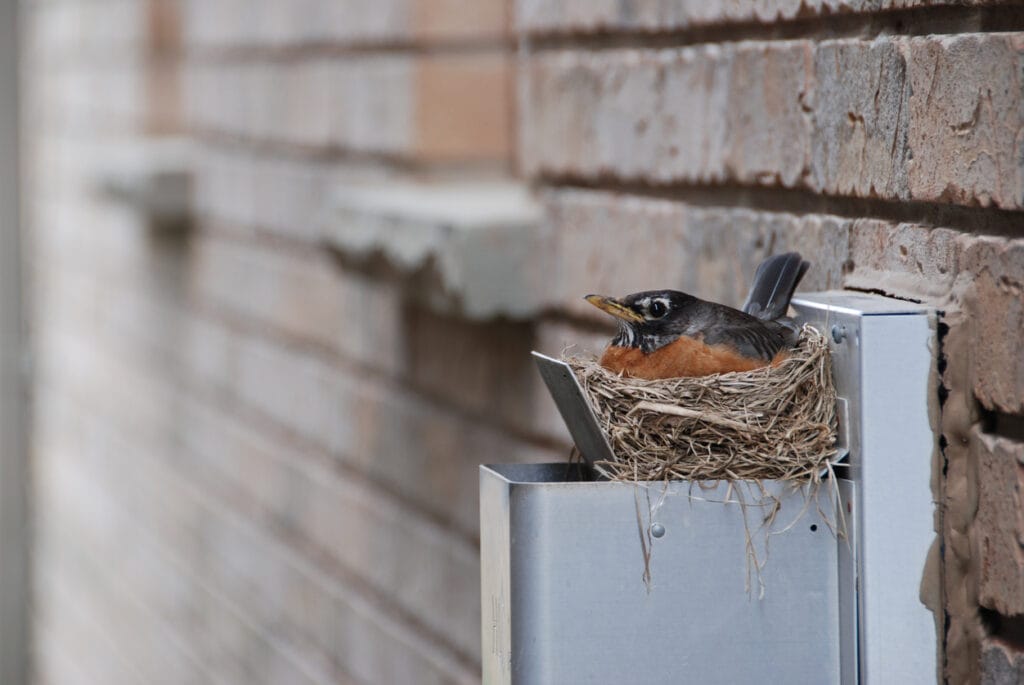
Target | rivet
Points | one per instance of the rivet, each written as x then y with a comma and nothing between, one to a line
838,333
657,530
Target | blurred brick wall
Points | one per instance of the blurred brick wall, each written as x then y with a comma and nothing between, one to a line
253,464
255,461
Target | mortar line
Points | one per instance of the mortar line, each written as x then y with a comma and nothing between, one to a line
896,22
805,202
342,47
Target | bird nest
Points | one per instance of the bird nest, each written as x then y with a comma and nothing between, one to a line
769,423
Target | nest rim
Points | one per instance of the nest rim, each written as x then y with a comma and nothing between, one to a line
771,423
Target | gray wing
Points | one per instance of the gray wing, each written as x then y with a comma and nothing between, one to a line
750,336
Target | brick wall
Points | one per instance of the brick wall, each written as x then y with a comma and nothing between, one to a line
692,141
255,457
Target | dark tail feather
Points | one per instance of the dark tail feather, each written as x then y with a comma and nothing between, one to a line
774,283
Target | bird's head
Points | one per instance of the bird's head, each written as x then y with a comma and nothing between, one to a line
648,319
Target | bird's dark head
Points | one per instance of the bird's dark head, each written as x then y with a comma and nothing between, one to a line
648,319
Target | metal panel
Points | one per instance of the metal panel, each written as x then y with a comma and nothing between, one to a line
575,409
890,342
897,510
576,610
14,532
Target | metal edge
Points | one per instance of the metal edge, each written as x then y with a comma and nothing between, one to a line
575,408
896,631
15,465
849,642
847,301
495,578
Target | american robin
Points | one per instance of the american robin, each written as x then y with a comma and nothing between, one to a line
667,333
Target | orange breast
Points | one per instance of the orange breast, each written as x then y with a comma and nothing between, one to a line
682,357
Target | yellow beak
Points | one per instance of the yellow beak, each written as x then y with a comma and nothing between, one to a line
614,307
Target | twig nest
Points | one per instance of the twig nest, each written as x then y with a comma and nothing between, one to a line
769,423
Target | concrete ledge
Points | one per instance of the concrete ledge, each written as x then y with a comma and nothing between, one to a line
484,240
154,176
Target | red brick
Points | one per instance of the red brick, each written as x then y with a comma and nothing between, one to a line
860,138
999,526
484,369
964,123
898,118
298,291
702,114
219,24
905,260
463,108
448,20
995,302
429,107
615,243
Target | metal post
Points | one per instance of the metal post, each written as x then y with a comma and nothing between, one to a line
14,532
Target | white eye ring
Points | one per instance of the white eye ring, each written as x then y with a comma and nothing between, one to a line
657,309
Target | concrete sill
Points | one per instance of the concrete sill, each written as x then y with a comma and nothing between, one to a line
483,240
154,177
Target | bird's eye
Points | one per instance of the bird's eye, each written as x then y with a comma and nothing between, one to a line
657,309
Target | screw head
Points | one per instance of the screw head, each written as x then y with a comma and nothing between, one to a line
657,530
838,333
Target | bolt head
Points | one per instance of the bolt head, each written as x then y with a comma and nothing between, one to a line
838,333
657,530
